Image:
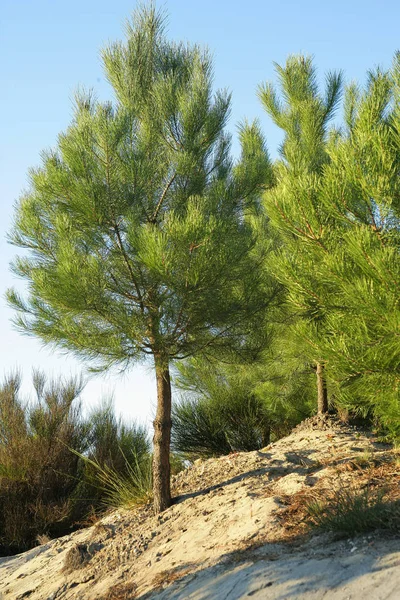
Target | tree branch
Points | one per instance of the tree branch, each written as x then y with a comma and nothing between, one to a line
128,265
162,198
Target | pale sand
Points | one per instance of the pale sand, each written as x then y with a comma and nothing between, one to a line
223,538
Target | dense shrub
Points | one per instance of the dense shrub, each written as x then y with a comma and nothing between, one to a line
46,487
209,427
229,408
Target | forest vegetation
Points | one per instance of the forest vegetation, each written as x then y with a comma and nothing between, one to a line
267,290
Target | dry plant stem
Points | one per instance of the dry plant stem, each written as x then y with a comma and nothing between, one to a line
322,390
162,436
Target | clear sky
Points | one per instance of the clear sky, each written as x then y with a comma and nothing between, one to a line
49,47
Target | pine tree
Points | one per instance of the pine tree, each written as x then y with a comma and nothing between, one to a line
294,204
362,193
336,206
135,225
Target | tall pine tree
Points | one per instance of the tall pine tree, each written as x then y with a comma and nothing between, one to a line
294,204
361,192
135,224
336,206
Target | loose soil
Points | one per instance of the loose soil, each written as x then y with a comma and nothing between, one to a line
238,528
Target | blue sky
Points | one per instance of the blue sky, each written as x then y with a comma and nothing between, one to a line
49,47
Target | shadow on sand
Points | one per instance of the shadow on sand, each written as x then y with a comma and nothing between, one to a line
337,570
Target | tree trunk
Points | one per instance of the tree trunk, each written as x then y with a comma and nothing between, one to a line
322,390
162,437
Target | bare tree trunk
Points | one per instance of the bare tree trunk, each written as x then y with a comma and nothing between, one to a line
162,437
322,390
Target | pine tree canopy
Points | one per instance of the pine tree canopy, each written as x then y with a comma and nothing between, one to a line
335,207
362,194
136,222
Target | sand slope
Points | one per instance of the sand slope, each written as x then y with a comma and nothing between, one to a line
226,537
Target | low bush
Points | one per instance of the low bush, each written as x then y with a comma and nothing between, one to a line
125,487
37,470
116,468
210,427
237,407
47,450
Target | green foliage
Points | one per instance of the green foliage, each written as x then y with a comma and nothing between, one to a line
219,415
361,193
138,223
45,485
144,238
116,469
303,114
293,204
113,441
285,380
335,206
204,428
126,487
37,471
135,223
234,407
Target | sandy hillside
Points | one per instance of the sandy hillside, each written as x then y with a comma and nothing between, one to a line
236,530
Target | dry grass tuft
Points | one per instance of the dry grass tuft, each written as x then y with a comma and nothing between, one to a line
79,556
366,500
43,539
165,578
121,591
